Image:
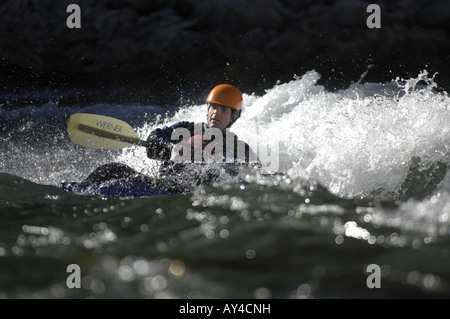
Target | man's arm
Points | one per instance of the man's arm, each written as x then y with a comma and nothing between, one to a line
159,144
160,141
244,154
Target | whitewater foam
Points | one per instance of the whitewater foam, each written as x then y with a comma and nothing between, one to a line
352,141
355,140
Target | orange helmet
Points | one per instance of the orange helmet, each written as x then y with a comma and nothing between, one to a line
227,95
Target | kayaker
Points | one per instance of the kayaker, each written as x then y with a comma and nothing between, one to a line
224,104
221,152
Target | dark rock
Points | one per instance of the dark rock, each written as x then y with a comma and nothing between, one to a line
187,45
437,14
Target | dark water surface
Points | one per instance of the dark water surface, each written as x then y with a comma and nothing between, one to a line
366,183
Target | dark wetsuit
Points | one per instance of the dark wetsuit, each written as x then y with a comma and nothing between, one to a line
236,154
159,140
178,177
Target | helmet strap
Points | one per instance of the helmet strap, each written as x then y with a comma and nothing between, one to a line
234,116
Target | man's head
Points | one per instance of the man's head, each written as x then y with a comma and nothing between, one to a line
224,106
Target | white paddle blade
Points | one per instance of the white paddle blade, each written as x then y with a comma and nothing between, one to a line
99,131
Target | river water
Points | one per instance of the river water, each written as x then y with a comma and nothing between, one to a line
365,183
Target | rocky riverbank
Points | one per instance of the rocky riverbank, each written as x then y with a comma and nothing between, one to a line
189,45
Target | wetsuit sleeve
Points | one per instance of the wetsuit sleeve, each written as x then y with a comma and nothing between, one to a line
160,139
251,158
244,155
